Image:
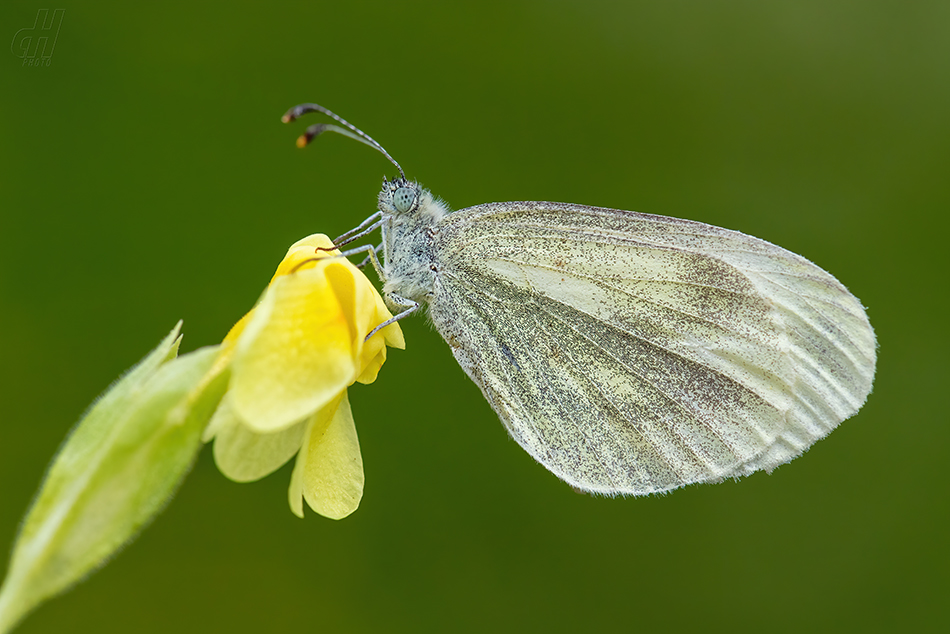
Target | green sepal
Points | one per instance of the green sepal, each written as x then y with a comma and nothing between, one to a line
115,472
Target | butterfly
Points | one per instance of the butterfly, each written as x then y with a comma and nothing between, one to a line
628,353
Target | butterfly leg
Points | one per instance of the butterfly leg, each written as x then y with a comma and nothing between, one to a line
371,256
396,300
358,232
368,258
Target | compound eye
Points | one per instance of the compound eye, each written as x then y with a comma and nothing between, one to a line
403,198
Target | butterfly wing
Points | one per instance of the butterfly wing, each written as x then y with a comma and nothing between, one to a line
633,354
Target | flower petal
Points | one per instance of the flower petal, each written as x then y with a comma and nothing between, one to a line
245,456
331,476
317,424
392,334
303,254
374,312
312,247
296,352
349,284
371,365
371,311
295,492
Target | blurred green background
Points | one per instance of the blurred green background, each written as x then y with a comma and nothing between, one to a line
145,177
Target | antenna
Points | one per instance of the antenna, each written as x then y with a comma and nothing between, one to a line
317,129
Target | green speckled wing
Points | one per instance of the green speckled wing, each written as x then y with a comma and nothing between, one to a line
634,354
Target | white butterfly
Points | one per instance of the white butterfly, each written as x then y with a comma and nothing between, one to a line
627,353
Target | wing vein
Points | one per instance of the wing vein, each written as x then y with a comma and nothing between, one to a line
604,283
634,335
646,477
678,404
527,349
821,330
630,278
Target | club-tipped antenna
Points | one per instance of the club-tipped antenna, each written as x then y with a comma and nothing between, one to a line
315,130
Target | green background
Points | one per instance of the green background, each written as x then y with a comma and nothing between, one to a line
145,177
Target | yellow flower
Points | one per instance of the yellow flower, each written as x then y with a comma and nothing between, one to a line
291,359
275,386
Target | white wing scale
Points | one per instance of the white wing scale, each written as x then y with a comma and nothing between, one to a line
633,354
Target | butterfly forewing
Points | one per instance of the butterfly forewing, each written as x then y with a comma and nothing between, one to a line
632,354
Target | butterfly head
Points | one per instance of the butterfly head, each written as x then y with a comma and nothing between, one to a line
399,197
408,199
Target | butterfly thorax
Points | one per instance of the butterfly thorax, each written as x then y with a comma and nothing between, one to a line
410,215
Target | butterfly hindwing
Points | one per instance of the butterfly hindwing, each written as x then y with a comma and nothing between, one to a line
632,354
